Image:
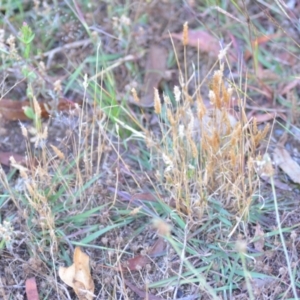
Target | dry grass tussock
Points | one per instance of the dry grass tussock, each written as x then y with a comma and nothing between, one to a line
207,150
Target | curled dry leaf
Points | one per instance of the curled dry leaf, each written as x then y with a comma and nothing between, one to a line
202,39
137,263
78,275
140,261
283,159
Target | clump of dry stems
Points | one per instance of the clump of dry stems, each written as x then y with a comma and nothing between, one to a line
208,151
48,169
35,178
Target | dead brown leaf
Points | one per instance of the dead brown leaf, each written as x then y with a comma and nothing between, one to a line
31,289
136,263
78,275
202,39
140,261
267,75
13,110
155,72
283,159
263,90
288,58
4,158
289,86
140,293
262,118
144,197
278,184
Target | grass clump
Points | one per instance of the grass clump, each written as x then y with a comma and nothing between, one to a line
208,152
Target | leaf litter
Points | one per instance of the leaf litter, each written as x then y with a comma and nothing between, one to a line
140,261
154,72
202,39
283,159
14,110
156,83
78,275
5,158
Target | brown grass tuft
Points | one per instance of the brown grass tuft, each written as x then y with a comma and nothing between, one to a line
207,150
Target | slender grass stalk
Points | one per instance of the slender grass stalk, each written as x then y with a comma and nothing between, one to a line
200,277
247,275
282,240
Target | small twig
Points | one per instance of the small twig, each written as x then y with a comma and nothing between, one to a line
182,258
69,46
289,267
118,62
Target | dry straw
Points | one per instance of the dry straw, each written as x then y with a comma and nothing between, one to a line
209,149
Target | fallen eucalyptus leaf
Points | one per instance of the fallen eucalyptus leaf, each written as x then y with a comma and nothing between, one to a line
78,275
155,72
283,159
202,39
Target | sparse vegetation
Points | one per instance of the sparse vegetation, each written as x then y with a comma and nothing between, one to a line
166,150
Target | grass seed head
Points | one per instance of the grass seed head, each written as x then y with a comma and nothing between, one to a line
212,97
177,93
157,103
185,34
163,228
59,154
135,95
170,117
57,86
37,108
167,100
13,53
201,108
223,52
193,147
24,130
